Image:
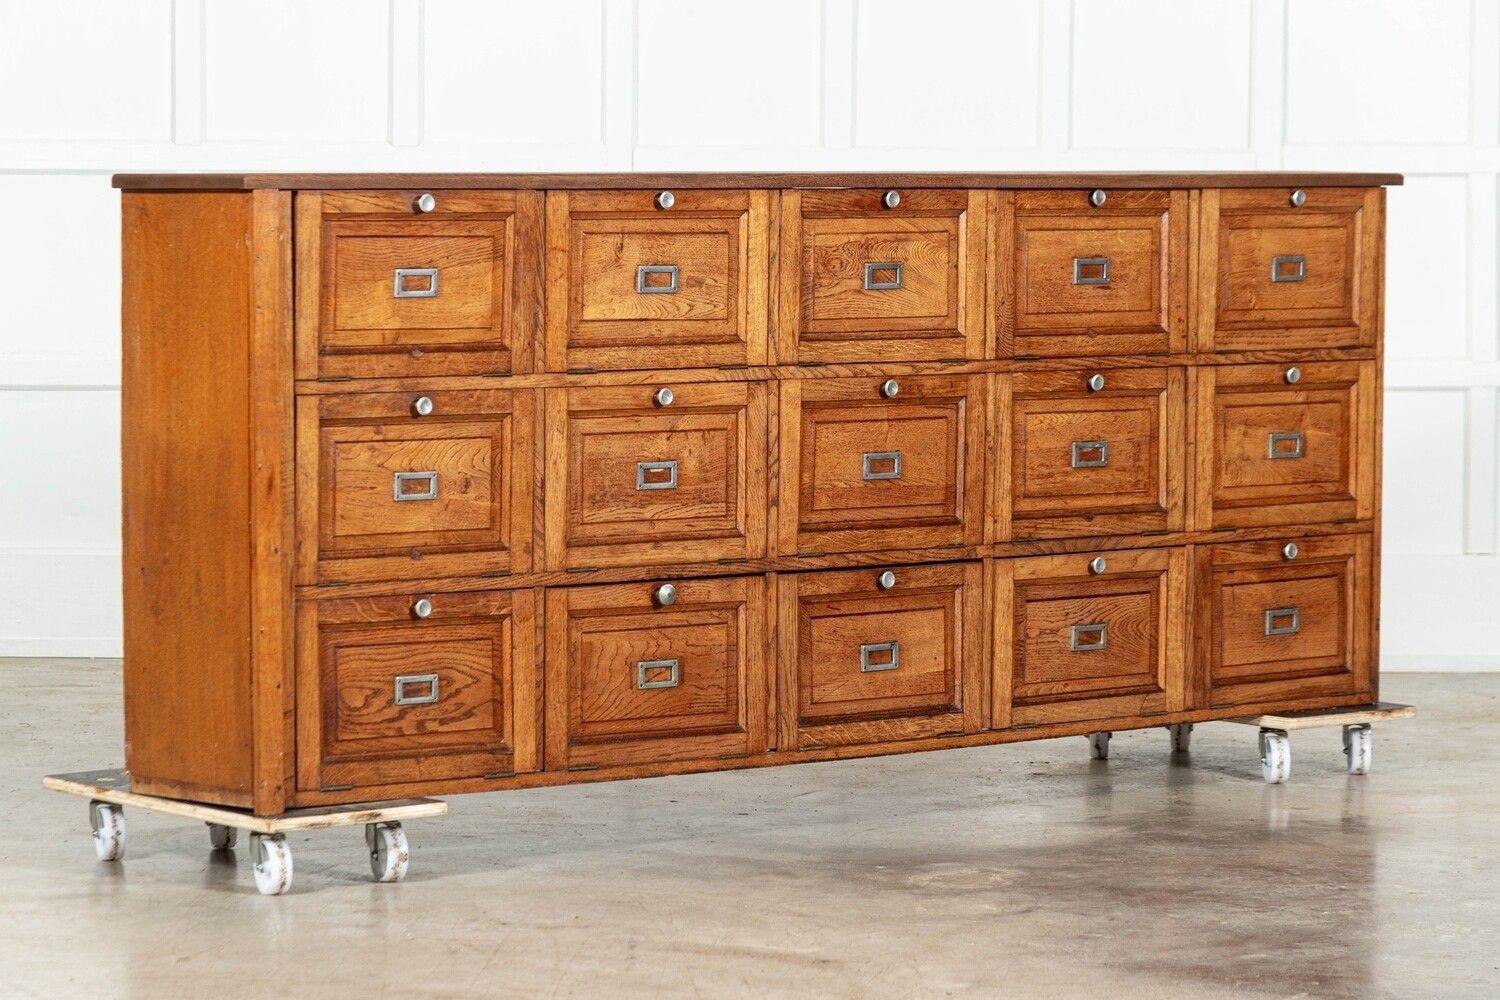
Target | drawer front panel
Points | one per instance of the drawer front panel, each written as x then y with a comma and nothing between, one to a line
387,697
630,680
864,663
1279,276
1074,644
631,481
386,493
864,281
386,292
1070,460
633,285
863,469
1080,279
1276,451
1273,628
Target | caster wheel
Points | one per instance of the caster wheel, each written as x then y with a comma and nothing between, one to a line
108,822
1275,756
221,837
273,863
1099,745
389,852
1181,735
1358,747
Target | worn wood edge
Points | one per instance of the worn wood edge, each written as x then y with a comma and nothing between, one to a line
112,785
637,181
1311,718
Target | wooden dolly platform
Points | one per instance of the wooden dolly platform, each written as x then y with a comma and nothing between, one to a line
1276,745
108,791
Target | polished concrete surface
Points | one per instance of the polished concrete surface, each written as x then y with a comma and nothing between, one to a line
1017,871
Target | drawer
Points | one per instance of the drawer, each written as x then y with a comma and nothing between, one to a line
631,284
383,290
865,280
1284,444
1074,460
1089,636
655,474
1278,275
386,696
402,485
873,655
1074,278
875,463
633,679
1283,620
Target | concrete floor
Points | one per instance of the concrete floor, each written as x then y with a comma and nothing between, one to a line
1023,871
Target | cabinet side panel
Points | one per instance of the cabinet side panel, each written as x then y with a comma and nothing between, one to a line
185,449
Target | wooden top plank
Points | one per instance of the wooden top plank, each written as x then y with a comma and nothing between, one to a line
113,785
575,181
1313,717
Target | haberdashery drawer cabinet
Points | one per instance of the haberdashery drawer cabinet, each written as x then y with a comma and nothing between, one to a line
456,483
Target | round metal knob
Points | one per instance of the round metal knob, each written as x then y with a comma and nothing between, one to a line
1298,198
665,594
886,580
421,608
423,203
1097,565
1289,550
1097,197
1293,375
665,200
1095,382
890,388
891,199
422,406
663,396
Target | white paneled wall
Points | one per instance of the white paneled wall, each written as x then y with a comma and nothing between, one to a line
94,86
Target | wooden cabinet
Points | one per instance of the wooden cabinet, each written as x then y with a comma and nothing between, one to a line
634,281
463,482
644,474
1089,453
881,463
875,655
881,275
633,678
1089,636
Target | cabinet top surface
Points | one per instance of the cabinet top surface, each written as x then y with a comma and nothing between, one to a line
249,182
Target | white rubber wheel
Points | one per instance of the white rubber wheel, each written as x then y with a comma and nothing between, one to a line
1275,756
273,863
1358,747
1099,745
389,852
1182,735
108,822
221,837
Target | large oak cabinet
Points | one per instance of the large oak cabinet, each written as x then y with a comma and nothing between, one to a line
467,482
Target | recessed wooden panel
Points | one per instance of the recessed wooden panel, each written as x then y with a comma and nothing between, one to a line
862,664
385,493
860,470
1272,451
634,285
1073,278
630,481
1072,644
629,681
385,697
1070,461
385,291
1273,275
861,281
1269,628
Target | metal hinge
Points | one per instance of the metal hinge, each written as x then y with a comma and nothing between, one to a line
495,573
733,559
583,371
583,767
734,368
337,788
811,364
582,569
500,774
952,732
733,756
1027,357
333,378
